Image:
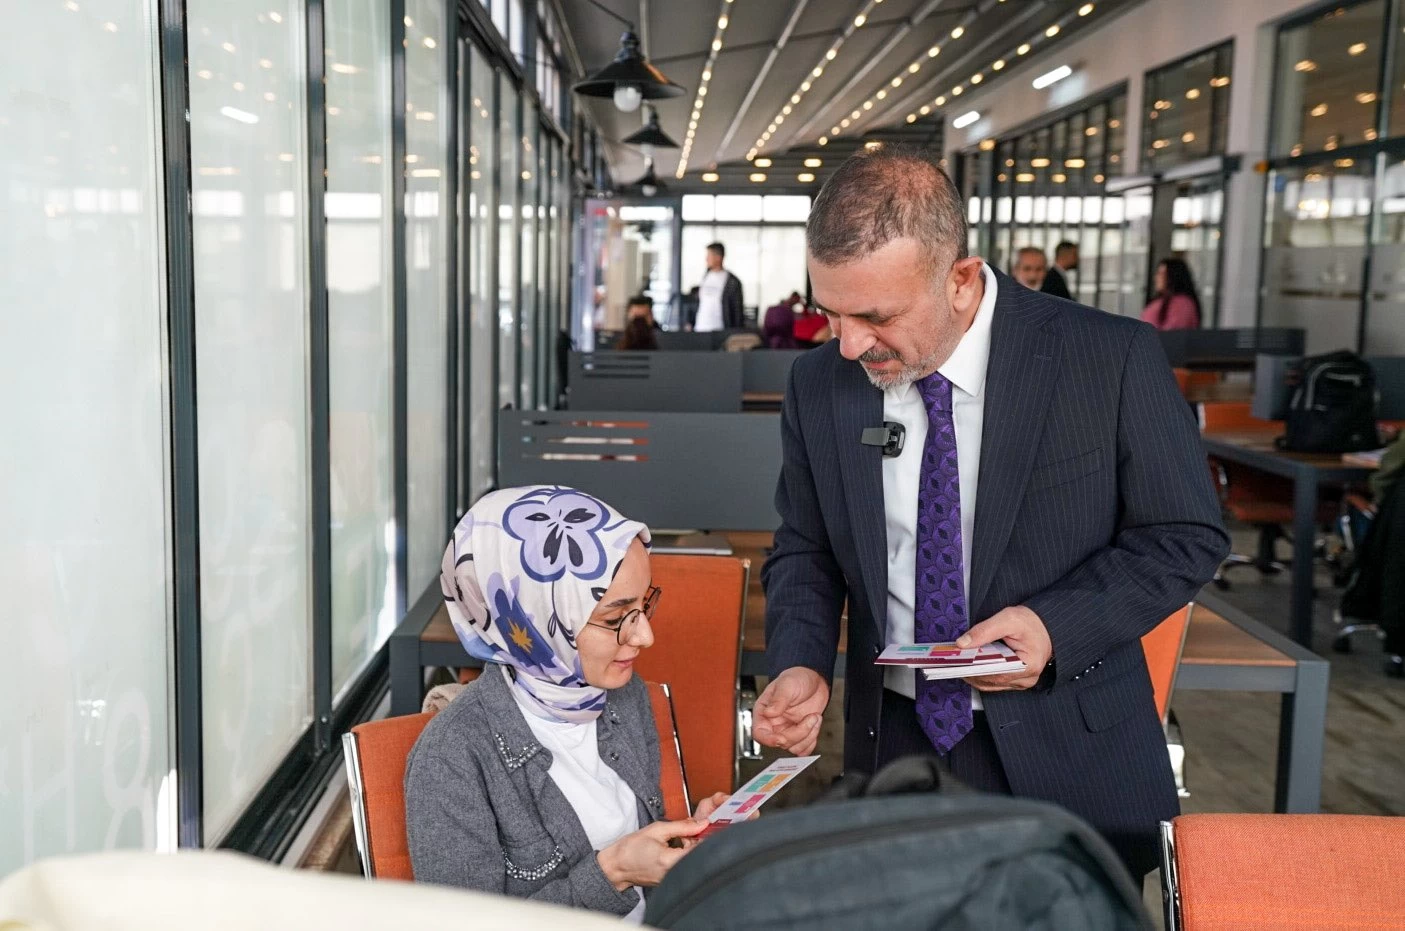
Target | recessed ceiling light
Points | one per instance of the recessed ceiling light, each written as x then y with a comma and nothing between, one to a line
1356,48
1023,49
965,119
958,32
999,64
757,176
824,140
1052,77
763,163
805,177
1085,9
709,176
1052,30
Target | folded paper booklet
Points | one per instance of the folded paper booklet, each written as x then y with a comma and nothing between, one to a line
948,661
758,790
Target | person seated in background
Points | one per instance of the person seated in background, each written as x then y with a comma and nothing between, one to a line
1030,267
811,328
778,325
641,305
639,335
541,778
1176,306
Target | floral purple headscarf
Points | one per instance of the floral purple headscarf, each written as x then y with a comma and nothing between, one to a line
522,574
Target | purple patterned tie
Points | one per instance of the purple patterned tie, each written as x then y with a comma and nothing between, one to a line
944,706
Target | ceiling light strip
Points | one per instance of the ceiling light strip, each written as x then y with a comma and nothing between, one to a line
813,75
1032,46
700,98
876,59
760,78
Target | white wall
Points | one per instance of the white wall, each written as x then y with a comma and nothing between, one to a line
1124,48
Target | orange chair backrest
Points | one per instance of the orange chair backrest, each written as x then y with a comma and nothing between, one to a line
1289,871
1231,415
381,748
1187,379
673,781
697,651
1162,646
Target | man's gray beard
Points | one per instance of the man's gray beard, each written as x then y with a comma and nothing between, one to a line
904,376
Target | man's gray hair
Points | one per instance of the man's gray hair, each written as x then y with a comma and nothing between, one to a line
883,194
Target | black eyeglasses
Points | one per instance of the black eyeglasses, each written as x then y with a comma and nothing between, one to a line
623,627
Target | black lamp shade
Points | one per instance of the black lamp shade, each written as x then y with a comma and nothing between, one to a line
651,134
629,67
649,180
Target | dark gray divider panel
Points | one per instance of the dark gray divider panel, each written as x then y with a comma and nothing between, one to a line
655,381
1187,348
670,341
674,471
1390,381
766,371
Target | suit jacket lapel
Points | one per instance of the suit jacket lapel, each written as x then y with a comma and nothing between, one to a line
1018,386
857,404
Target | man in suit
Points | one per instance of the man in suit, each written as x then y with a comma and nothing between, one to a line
1030,268
1051,493
1065,260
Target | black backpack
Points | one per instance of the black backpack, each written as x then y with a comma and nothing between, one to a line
1333,404
898,856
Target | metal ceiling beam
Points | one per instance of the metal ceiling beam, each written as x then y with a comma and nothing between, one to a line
873,62
795,13
921,95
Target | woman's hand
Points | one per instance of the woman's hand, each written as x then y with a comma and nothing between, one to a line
642,858
708,805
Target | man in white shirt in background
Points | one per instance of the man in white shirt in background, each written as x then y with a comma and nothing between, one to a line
719,295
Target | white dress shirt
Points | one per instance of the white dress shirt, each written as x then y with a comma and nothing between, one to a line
901,476
602,800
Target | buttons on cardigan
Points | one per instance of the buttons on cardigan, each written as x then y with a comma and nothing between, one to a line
872,734
653,802
614,756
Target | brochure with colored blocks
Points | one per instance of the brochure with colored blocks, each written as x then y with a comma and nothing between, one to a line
948,661
757,791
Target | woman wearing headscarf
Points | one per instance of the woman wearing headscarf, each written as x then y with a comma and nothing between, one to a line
541,779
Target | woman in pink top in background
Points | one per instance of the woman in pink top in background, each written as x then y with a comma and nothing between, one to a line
1175,306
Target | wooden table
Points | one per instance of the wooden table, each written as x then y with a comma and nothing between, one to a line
1226,650
1255,449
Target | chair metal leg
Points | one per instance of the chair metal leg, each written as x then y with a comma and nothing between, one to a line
747,747
1170,879
1175,747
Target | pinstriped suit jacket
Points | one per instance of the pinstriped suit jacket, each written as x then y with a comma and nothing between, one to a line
1095,510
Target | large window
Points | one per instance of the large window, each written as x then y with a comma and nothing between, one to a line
509,203
84,735
249,177
427,210
1334,192
360,310
765,240
1327,91
1186,111
213,337
479,235
1046,185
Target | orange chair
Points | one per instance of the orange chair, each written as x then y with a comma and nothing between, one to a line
375,770
1162,646
1256,498
1282,872
1188,381
697,651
